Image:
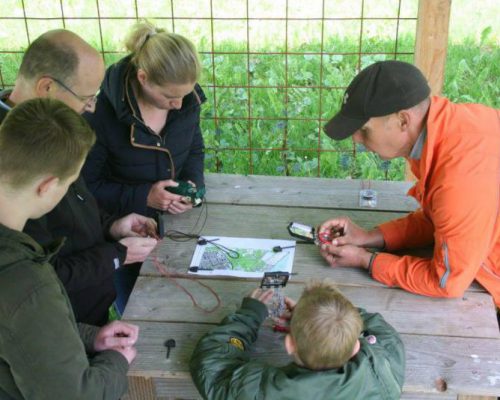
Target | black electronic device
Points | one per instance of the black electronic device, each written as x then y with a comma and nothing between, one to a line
308,233
277,279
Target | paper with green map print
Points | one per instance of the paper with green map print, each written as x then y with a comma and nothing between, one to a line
242,257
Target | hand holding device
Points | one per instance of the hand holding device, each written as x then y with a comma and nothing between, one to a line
189,191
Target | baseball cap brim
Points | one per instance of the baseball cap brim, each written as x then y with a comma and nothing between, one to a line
341,127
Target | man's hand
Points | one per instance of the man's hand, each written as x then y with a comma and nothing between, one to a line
118,336
133,225
138,248
345,256
347,232
160,198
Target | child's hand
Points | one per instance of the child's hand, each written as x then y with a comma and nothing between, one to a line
290,305
262,295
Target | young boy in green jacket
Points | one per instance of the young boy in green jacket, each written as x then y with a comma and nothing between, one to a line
339,352
43,144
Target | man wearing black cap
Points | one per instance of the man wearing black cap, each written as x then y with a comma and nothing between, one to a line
454,151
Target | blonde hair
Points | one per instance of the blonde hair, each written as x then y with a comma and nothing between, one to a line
325,326
165,57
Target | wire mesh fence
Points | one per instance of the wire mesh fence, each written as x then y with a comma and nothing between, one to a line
274,70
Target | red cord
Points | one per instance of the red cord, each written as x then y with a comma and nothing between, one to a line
163,271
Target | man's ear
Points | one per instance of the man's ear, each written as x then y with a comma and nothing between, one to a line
44,87
290,347
404,118
46,185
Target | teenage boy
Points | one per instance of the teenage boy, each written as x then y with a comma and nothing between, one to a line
43,144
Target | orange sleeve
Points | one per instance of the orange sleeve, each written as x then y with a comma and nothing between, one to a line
411,231
464,208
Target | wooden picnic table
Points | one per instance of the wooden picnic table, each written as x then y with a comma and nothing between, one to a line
451,340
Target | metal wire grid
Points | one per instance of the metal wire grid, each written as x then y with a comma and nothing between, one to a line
211,122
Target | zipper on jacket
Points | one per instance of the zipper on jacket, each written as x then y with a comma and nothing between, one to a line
444,278
77,194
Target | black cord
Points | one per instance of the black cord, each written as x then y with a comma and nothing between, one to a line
178,236
230,252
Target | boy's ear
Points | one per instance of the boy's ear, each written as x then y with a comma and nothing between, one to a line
290,347
356,348
46,185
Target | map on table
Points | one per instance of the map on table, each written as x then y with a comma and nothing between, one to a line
242,257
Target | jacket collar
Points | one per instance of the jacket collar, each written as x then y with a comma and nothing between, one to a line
26,247
422,167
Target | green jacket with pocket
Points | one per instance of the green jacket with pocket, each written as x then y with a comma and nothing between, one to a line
221,369
42,349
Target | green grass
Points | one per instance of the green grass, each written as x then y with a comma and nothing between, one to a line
280,123
291,146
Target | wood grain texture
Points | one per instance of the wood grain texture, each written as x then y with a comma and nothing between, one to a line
428,359
428,396
161,299
270,223
431,41
305,192
455,340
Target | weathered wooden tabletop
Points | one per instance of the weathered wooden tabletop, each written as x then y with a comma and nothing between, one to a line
455,340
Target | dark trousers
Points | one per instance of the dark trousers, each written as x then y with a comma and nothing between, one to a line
124,279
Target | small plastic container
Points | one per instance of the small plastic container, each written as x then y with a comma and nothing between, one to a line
368,198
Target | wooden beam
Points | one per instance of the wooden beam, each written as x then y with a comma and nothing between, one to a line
431,46
432,41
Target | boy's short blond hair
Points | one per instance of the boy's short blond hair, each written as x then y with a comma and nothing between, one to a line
42,137
325,326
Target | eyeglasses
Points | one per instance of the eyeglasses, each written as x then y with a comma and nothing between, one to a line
87,100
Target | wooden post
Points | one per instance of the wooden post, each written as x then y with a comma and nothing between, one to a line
432,40
430,46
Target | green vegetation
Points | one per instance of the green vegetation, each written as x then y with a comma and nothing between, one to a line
265,111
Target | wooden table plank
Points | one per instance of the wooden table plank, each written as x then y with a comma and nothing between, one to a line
305,192
264,222
475,370
161,299
308,264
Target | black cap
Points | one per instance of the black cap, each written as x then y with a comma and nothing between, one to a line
378,90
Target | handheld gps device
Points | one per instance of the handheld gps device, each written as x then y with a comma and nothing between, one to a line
187,189
308,233
275,280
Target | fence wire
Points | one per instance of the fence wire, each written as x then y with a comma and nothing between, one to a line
274,70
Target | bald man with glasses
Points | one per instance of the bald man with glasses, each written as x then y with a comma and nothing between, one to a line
61,65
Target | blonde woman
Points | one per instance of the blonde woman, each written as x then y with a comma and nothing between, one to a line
147,122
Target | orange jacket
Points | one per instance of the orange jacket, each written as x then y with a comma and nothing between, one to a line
458,189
